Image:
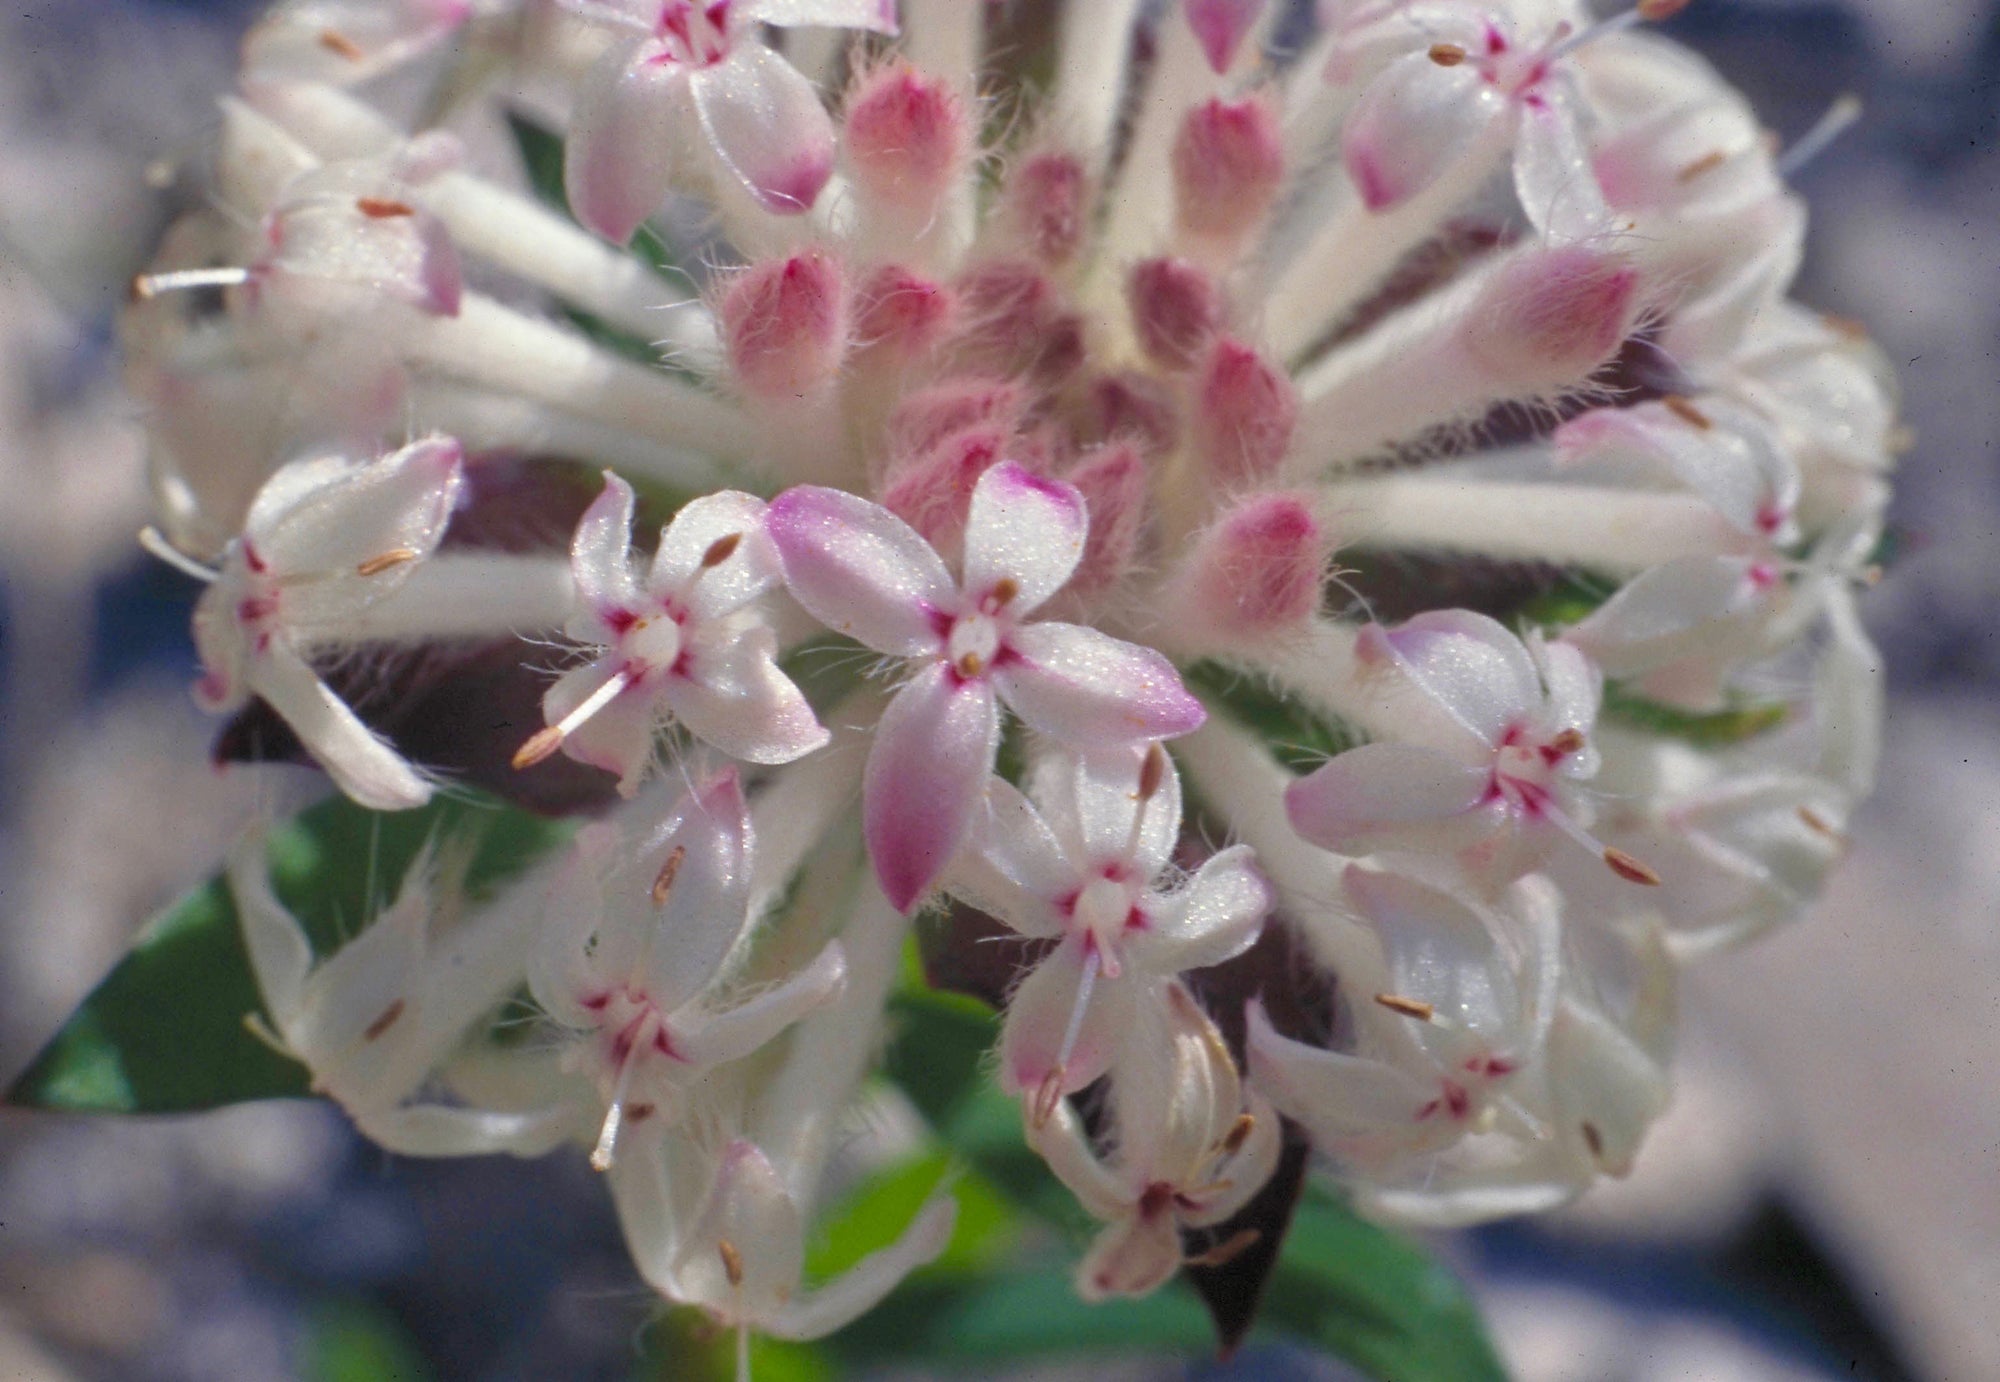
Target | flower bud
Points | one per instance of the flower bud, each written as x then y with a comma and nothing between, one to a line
1112,481
1257,570
1047,200
1229,162
1176,309
900,315
1245,410
784,323
1552,317
907,139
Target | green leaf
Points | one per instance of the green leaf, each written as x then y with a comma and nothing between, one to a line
353,1342
1704,729
1375,1299
874,1214
164,1032
1297,734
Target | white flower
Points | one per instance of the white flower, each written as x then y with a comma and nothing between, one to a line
325,539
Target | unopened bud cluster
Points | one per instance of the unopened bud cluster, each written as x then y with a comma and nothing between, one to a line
1433,381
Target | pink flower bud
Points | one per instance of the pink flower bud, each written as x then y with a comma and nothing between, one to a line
1175,310
1219,26
1257,570
900,315
925,418
1229,162
1016,322
1112,481
933,493
1047,198
1245,410
907,137
1135,406
784,322
1550,318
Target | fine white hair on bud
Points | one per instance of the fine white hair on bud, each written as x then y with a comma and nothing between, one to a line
1261,521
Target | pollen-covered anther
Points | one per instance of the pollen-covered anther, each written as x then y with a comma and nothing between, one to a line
1229,164
1707,163
383,208
1408,1007
1228,1250
720,551
387,1019
387,561
1570,741
1653,11
1239,1133
663,882
1629,868
1685,410
1152,772
1447,54
541,745
341,46
732,1261
1047,1095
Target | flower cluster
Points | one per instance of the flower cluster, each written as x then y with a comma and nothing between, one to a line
999,468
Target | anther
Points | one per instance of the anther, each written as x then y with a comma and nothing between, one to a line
720,551
1239,1133
1569,741
1408,1007
663,883
1817,823
732,1261
1152,772
1628,868
341,45
1447,54
385,561
1653,11
1685,410
970,666
383,1023
1228,1250
383,208
1592,1138
1047,1095
1004,591
542,745
1707,163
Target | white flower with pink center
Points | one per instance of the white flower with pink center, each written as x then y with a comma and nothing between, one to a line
679,644
697,68
968,646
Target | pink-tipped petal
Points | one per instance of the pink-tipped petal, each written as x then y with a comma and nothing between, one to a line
1376,793
767,126
860,570
926,774
1024,529
620,158
1467,663
1091,690
1412,123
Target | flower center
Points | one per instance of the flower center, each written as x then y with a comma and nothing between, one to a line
655,641
973,644
696,34
1102,909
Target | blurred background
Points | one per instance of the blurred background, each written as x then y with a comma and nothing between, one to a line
1823,1201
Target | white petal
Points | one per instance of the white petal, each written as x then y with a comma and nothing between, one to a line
860,570
706,907
1440,952
1373,796
1412,123
1133,1257
1214,918
280,954
750,569
749,1209
600,555
1091,690
1469,665
876,15
1038,1018
1337,1097
1553,176
861,1287
361,764
734,697
715,1038
353,513
767,125
1101,791
1024,529
1062,1143
1016,869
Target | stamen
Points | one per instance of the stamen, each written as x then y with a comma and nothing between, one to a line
1447,54
732,1261
1630,869
155,543
1645,12
1408,1007
340,45
1091,964
720,551
1707,163
1153,771
545,742
383,208
1228,1250
386,561
607,1136
146,287
1004,592
1046,1095
383,1023
970,666
1592,1138
664,883
1239,1133
1687,412
1814,142
1569,741
1819,824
